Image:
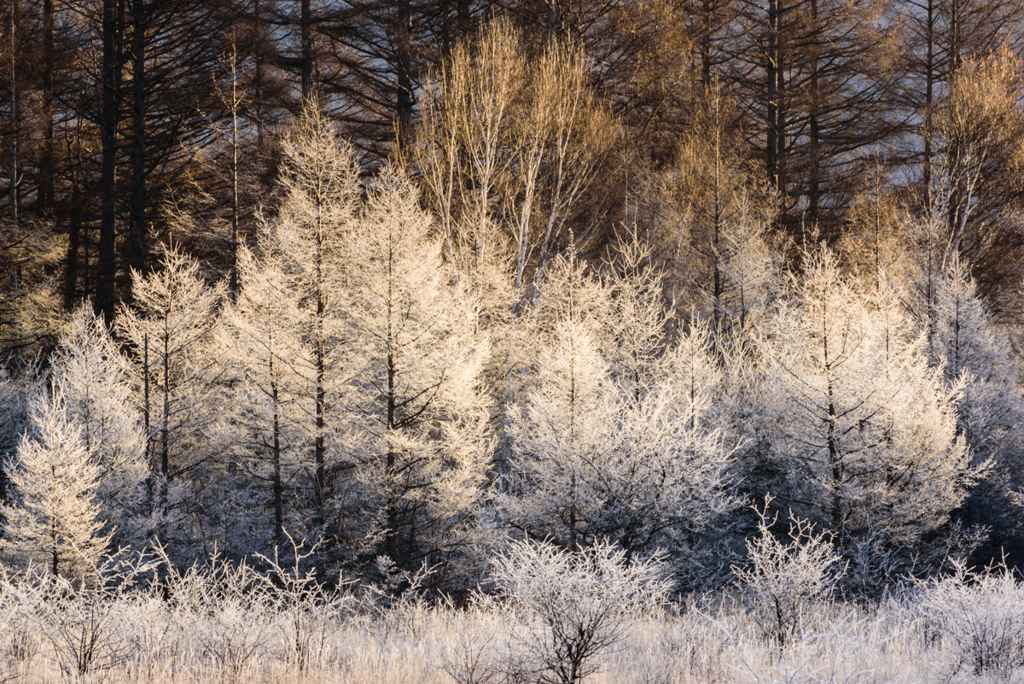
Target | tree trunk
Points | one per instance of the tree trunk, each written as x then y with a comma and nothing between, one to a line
278,484
814,191
139,237
14,181
773,74
306,21
113,21
46,187
403,39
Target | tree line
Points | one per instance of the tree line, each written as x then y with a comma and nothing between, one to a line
412,279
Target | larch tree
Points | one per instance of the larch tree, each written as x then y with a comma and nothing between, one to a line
864,430
975,190
54,519
532,137
170,329
416,397
97,384
308,244
17,387
261,338
610,439
974,355
711,215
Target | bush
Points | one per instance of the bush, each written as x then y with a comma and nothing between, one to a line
785,578
572,607
978,618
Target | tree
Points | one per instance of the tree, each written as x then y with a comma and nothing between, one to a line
624,455
811,78
864,429
170,330
787,577
97,384
54,519
416,397
530,138
17,388
710,215
974,192
266,359
308,244
29,298
974,355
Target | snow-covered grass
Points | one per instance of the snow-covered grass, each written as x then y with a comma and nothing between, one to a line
961,629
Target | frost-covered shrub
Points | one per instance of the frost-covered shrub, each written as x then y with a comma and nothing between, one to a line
571,607
978,618
89,624
19,602
787,577
228,610
475,647
305,613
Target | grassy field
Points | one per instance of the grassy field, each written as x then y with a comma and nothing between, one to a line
141,637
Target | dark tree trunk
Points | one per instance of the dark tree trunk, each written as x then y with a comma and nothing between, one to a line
139,237
106,277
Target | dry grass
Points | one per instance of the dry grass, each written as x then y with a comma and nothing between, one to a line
228,627
438,645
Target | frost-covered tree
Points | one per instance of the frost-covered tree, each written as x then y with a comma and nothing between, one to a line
97,384
308,245
966,345
972,353
415,399
863,429
710,215
263,348
170,329
617,452
54,519
16,391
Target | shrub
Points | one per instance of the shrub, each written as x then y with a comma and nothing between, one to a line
786,577
572,607
979,619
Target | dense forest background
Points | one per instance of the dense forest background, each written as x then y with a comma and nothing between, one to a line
414,278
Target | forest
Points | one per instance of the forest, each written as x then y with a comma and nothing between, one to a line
515,341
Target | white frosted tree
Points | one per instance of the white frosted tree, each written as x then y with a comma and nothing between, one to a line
968,347
415,399
54,518
307,243
262,346
972,353
97,384
602,452
17,386
170,329
862,427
